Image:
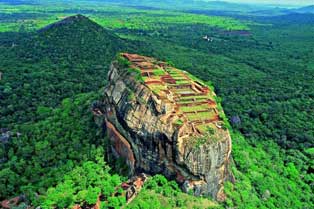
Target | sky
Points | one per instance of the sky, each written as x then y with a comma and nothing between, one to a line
279,2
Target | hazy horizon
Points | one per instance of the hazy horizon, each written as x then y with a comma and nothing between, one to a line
272,2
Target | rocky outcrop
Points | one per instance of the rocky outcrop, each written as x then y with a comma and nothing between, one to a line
155,132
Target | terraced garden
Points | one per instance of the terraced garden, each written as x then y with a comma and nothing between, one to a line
193,102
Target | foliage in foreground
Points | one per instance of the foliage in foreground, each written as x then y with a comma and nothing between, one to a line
159,193
50,148
84,185
264,180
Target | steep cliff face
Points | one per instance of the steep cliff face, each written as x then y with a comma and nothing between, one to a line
163,120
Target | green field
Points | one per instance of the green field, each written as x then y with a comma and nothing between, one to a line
108,16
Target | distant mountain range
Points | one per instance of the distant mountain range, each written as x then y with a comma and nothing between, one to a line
220,6
307,9
194,5
283,11
210,5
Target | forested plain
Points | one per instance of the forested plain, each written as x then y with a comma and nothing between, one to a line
261,67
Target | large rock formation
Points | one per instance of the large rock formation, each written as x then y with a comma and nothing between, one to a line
163,120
